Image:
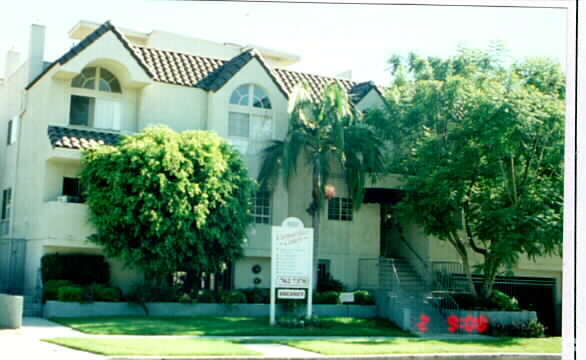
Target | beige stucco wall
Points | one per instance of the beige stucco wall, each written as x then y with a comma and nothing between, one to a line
370,101
10,106
180,108
244,277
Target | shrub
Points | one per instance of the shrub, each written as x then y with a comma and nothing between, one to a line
207,296
363,297
108,294
80,269
51,287
290,305
532,328
185,299
233,297
329,284
501,301
70,293
257,295
326,297
498,301
147,292
299,322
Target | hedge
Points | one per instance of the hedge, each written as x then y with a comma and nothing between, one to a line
80,269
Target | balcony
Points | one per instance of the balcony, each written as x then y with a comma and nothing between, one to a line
65,223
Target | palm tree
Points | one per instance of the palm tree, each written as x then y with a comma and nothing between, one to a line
328,133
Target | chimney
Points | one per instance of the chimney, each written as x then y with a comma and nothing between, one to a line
36,51
11,63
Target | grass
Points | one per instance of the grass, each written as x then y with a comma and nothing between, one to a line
226,326
423,346
146,347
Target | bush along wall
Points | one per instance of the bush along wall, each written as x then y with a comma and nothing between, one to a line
80,269
77,278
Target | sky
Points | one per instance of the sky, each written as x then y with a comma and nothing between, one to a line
330,38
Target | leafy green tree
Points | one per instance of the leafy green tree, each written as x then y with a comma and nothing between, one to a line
329,134
481,146
165,202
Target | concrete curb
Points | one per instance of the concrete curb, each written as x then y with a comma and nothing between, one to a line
493,356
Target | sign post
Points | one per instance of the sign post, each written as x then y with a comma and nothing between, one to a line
291,263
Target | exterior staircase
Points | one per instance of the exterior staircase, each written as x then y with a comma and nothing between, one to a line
408,300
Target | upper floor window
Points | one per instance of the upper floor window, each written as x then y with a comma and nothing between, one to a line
250,120
12,131
340,209
5,211
261,207
95,100
250,95
96,78
72,190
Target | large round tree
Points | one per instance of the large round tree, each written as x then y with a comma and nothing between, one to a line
163,201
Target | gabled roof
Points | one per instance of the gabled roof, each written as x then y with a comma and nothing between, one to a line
359,91
208,73
218,78
87,41
68,138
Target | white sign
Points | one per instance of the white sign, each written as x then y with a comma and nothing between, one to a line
292,255
290,294
346,297
291,261
292,281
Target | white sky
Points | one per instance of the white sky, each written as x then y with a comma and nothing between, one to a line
329,38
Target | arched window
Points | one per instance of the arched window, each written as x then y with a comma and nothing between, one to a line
96,78
95,99
250,95
250,120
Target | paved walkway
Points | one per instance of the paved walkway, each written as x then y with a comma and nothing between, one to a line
24,344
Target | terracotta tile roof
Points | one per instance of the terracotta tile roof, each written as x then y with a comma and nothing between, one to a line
64,137
209,73
176,68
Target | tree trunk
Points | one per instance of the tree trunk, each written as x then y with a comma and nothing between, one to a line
315,218
461,250
490,272
466,264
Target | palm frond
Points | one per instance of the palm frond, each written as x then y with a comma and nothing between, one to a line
272,164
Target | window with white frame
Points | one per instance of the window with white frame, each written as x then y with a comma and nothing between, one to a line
250,120
340,209
95,99
261,207
5,213
12,130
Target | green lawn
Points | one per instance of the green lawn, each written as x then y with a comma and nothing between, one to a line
421,346
147,347
227,326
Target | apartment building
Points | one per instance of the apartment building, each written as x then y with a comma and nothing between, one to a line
118,81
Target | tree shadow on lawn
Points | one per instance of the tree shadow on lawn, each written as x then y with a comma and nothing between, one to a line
228,326
496,342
